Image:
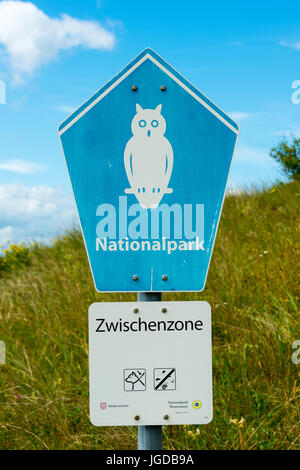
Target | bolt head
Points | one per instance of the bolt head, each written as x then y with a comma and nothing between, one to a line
163,88
135,277
137,417
165,277
166,417
136,310
134,88
164,310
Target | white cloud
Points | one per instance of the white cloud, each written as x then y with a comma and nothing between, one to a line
236,190
65,109
294,131
30,38
37,212
257,155
20,166
5,234
253,167
239,115
295,45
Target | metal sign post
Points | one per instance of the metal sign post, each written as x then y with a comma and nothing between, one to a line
149,437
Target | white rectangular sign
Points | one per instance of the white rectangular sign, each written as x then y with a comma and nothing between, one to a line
150,363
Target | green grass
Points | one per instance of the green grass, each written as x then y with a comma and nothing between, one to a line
253,288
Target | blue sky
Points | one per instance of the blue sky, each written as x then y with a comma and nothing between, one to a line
244,56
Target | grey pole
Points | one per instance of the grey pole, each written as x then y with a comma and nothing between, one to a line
149,437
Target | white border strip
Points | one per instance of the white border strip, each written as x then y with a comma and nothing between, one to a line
126,74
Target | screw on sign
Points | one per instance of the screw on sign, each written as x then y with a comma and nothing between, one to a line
149,158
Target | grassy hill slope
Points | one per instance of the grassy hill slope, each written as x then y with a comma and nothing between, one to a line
253,288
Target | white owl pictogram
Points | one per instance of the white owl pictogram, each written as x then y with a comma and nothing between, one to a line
148,157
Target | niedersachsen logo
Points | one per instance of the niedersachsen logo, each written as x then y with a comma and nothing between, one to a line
148,226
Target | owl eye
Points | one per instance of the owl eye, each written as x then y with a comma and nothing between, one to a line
142,123
154,123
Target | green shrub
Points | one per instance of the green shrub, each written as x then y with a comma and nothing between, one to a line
288,155
15,257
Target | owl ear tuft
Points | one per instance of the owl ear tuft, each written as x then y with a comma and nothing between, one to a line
139,108
158,109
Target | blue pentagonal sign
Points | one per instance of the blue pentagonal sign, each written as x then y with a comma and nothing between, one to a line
149,158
